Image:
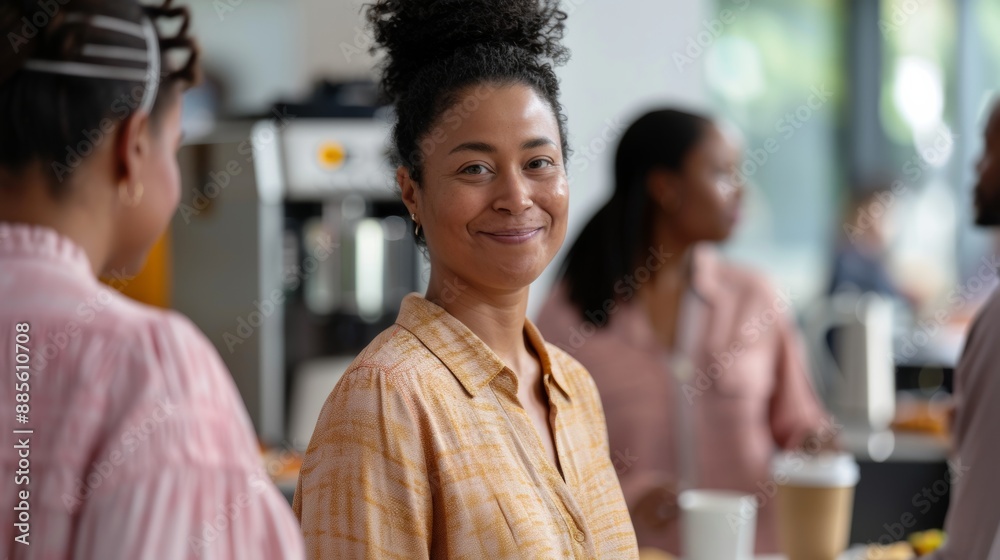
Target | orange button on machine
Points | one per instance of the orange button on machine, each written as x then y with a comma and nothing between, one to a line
331,155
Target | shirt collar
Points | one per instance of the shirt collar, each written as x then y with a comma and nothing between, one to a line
468,358
39,242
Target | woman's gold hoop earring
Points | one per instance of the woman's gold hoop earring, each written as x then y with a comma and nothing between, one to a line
130,200
416,226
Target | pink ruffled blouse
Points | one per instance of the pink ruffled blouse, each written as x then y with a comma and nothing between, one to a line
133,442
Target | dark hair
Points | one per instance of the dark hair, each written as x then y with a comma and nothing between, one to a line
612,241
45,117
436,48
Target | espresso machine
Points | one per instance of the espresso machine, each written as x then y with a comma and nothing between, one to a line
291,250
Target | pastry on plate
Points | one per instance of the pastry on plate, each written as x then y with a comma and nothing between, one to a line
927,542
894,551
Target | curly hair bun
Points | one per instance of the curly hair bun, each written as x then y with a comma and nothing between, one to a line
418,33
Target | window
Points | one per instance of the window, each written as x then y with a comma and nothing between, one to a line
777,75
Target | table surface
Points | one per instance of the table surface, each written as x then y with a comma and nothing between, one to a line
856,552
887,445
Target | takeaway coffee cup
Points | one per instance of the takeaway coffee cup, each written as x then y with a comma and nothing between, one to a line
717,525
814,500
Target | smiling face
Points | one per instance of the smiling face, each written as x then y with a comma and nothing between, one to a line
987,192
493,197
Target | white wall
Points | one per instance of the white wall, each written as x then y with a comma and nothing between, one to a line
337,38
256,46
266,49
621,64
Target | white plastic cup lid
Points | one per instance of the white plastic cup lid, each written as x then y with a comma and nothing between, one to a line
825,470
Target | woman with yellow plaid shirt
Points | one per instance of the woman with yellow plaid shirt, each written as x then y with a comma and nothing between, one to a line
458,432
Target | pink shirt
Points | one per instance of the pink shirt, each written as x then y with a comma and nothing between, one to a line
750,393
973,522
140,447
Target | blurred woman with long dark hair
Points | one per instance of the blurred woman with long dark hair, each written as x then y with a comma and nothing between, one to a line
697,360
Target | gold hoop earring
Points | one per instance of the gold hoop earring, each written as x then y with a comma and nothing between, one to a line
416,226
130,201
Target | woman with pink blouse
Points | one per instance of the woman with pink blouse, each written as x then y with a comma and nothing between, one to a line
698,361
122,434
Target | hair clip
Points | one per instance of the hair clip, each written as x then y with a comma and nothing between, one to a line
151,56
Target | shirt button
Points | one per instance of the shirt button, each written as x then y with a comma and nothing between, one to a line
579,536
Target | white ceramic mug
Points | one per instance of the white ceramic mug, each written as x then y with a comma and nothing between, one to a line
717,525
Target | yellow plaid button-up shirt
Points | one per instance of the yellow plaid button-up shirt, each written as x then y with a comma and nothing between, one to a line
424,451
